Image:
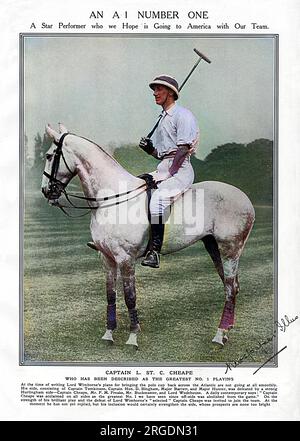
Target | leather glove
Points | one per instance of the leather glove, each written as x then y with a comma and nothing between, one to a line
146,145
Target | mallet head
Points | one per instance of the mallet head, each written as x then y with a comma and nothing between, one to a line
202,56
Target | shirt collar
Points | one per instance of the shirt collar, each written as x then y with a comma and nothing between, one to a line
170,111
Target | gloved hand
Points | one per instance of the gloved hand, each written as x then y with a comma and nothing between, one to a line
146,145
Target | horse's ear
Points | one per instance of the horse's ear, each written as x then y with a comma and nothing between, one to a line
52,133
62,128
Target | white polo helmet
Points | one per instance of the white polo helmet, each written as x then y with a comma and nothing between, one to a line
167,81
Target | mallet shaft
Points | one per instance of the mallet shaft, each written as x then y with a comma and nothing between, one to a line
201,57
189,75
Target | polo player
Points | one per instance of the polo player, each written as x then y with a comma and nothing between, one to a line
175,139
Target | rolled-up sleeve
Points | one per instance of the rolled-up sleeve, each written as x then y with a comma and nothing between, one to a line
187,128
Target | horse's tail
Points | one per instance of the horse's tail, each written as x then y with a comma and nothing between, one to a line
212,248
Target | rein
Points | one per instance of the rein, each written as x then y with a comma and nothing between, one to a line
56,185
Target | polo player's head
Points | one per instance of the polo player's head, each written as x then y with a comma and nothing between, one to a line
165,90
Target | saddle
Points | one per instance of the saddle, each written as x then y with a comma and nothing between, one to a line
151,184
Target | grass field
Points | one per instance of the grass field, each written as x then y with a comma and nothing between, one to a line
179,305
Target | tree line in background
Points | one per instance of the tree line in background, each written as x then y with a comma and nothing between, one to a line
246,166
36,160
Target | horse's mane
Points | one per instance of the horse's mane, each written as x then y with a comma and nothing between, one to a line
99,147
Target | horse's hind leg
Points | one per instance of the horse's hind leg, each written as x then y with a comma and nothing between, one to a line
213,250
128,278
228,271
111,295
231,286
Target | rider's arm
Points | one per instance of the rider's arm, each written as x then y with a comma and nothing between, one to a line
181,153
155,154
187,135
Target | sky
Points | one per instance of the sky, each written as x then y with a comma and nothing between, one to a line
97,86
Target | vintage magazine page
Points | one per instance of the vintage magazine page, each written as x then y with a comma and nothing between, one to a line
89,331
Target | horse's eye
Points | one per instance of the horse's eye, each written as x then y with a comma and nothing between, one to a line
49,156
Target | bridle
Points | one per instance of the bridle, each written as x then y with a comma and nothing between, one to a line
56,186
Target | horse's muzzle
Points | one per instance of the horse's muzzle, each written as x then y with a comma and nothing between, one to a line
53,193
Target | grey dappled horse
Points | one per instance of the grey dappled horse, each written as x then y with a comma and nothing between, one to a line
219,214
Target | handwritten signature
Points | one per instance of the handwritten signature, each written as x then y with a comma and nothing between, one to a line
281,326
285,322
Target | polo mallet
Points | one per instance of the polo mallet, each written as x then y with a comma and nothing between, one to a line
201,57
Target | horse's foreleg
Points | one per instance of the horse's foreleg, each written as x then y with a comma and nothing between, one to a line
128,278
231,285
111,295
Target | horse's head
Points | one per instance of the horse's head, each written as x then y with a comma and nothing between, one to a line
60,165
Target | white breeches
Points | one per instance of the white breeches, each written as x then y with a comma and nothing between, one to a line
172,187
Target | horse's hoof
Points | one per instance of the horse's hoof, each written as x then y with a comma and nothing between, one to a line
92,246
132,340
220,338
225,339
108,336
